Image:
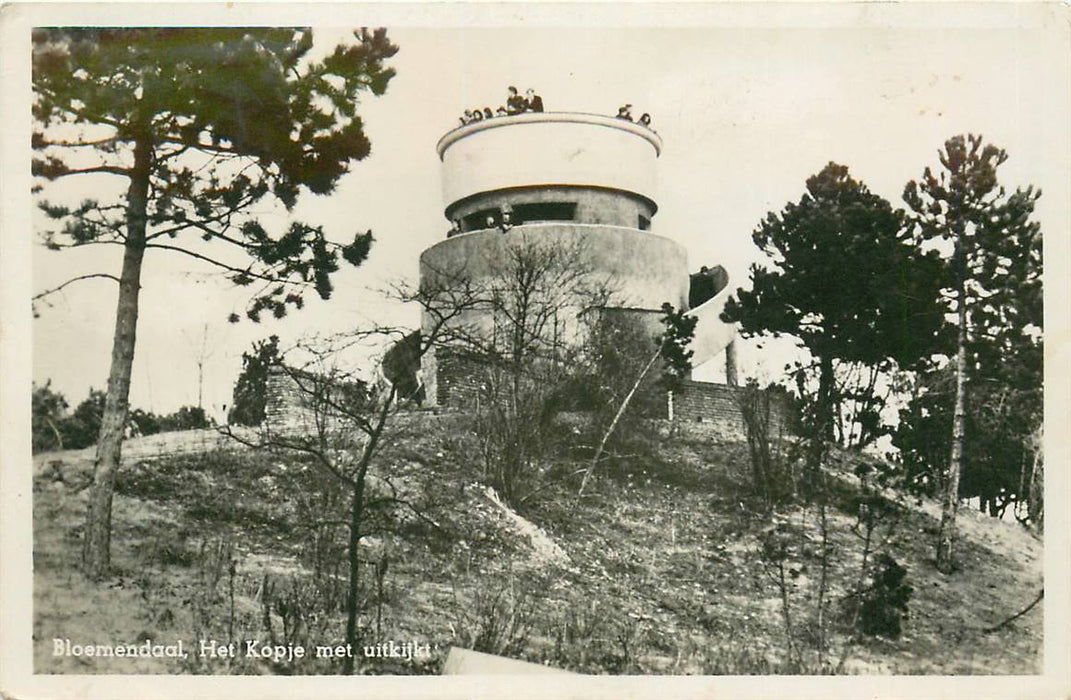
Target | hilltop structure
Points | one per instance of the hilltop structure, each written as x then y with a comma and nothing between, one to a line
584,181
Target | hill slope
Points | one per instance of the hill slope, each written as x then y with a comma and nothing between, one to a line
659,568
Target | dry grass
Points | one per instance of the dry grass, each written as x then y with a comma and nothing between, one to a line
662,572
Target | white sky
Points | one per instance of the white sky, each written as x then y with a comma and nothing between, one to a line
746,114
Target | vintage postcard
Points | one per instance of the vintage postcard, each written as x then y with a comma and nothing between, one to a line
534,350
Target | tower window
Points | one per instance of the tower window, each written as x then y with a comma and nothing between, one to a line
544,211
645,223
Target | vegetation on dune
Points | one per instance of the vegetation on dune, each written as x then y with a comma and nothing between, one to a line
250,389
54,427
671,566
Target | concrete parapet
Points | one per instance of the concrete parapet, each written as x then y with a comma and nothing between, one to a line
549,148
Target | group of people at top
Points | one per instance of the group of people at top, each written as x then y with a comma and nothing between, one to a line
515,104
531,102
625,112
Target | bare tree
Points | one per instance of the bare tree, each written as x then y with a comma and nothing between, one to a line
203,353
519,357
349,423
672,350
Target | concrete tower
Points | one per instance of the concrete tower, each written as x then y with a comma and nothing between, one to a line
560,177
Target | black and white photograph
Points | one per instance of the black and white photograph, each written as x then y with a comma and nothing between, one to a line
549,350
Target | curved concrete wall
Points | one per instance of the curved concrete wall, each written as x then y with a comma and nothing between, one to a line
643,269
548,148
647,269
712,335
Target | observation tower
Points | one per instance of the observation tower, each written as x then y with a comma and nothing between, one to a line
583,181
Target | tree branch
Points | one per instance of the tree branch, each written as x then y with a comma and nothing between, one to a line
1016,616
395,499
203,226
288,445
224,266
109,169
617,416
44,143
45,293
52,245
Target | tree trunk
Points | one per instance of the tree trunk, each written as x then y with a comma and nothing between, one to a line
825,400
96,545
947,538
730,363
356,515
823,430
1036,496
55,432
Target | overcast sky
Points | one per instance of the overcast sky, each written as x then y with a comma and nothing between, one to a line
746,115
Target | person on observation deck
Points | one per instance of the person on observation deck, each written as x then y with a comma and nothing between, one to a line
514,102
533,101
625,112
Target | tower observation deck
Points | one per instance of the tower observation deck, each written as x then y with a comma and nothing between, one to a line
557,178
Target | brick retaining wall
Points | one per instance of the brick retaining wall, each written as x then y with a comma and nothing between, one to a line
703,409
713,410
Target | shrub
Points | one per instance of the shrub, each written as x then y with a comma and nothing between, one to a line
500,618
49,409
186,418
884,605
513,424
772,478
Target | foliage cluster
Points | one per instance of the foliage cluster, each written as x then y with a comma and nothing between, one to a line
994,281
872,293
846,281
884,604
55,427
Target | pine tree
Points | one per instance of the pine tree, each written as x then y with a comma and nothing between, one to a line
993,285
200,125
842,279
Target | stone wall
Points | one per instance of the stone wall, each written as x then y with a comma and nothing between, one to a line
457,386
291,398
699,408
287,407
713,410
702,409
